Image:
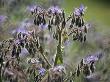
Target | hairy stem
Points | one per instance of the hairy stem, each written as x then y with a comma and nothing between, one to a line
46,60
59,51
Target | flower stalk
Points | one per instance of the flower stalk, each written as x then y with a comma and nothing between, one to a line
59,58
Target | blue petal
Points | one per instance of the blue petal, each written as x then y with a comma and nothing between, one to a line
42,71
82,8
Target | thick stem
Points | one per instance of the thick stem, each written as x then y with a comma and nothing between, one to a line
59,51
60,44
60,39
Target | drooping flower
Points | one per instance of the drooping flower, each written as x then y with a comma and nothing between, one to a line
54,9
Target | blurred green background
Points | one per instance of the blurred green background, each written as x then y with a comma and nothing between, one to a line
97,15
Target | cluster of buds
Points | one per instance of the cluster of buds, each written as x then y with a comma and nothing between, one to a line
36,68
18,47
77,26
87,69
29,42
21,46
39,15
77,17
54,18
34,9
87,65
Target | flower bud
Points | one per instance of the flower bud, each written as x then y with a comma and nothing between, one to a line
14,50
92,67
81,63
63,23
43,20
73,21
85,29
86,70
84,38
78,71
82,22
77,21
49,26
35,22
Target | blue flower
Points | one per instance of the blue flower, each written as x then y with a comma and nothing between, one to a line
42,71
59,68
82,8
55,9
21,30
77,12
80,11
93,58
34,8
31,8
2,18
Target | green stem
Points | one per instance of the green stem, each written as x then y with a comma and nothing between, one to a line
46,60
59,57
60,39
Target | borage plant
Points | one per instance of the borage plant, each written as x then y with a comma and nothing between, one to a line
31,43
